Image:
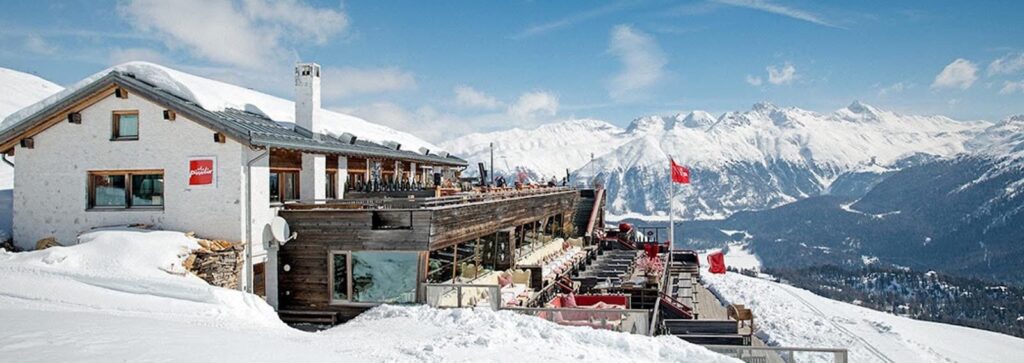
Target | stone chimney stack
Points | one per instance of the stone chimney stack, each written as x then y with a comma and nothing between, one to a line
307,95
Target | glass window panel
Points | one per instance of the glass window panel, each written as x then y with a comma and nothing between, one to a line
386,277
291,182
128,125
340,288
275,187
147,190
109,190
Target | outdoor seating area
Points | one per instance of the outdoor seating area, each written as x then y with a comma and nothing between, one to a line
597,311
610,268
556,258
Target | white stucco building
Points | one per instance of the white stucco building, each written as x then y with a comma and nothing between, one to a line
127,149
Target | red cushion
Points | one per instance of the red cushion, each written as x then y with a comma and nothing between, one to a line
569,301
587,300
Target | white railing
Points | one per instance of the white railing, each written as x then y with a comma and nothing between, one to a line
450,295
782,354
635,321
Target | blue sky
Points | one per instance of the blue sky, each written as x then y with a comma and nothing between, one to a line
443,68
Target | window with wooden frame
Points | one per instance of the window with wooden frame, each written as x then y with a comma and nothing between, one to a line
373,277
134,189
284,185
125,126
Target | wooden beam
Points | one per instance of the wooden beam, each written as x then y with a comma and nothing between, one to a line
60,116
75,117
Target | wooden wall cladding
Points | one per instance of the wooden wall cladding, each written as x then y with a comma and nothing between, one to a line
305,285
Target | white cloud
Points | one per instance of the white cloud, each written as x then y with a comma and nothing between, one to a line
432,124
1011,87
531,104
766,6
754,81
469,97
539,29
960,74
248,34
348,81
36,44
643,61
782,74
894,88
530,109
298,19
1008,64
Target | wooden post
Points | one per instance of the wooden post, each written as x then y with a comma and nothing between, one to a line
455,261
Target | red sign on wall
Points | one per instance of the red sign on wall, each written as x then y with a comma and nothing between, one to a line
202,172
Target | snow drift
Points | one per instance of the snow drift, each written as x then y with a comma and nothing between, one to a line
122,295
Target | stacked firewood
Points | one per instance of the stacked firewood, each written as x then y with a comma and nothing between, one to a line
9,246
217,262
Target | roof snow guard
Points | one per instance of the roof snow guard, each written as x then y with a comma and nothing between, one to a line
245,127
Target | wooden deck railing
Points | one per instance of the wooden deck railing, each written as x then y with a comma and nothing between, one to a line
424,203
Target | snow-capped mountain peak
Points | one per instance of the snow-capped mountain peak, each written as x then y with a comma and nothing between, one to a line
754,159
551,148
698,119
648,124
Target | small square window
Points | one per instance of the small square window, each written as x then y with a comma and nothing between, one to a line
126,126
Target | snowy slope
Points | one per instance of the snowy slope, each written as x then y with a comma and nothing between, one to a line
755,159
122,296
543,152
790,316
216,96
22,89
17,90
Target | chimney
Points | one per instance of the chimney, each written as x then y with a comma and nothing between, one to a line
307,95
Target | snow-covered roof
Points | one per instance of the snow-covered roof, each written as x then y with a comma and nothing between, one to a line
254,117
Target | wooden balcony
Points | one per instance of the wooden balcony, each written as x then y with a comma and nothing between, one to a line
421,224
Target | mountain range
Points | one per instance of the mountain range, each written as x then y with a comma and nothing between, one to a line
751,160
858,186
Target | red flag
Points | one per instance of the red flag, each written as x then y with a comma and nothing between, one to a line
680,174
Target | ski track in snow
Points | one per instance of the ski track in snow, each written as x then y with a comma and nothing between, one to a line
790,316
849,333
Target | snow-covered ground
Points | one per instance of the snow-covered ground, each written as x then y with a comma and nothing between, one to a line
122,295
790,316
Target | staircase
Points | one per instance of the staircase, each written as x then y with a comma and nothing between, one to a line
583,210
308,317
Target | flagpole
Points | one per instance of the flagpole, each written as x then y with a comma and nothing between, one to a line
671,215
